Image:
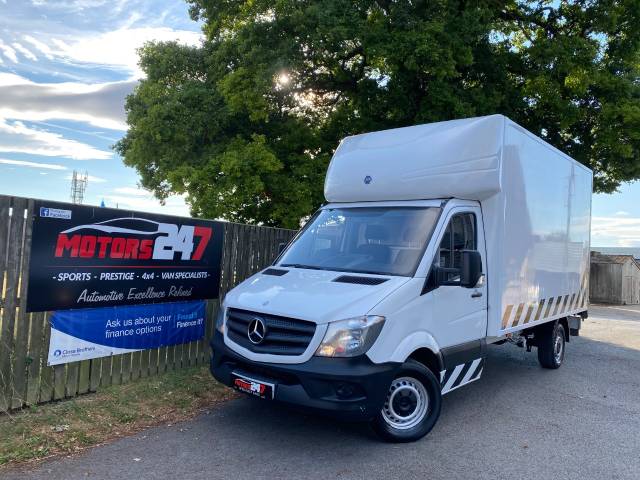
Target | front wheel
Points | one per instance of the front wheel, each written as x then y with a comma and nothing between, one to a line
412,405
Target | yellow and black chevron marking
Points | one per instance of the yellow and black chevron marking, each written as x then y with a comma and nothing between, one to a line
544,308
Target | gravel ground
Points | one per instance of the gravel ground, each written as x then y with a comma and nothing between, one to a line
579,422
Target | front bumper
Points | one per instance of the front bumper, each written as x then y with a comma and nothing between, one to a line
346,388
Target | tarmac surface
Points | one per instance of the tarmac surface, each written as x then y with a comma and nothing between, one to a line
519,421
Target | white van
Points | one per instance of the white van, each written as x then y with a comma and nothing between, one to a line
436,241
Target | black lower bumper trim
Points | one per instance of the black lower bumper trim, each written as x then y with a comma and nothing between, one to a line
347,388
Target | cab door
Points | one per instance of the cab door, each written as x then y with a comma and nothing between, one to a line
461,312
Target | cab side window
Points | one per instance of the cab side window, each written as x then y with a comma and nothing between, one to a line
459,235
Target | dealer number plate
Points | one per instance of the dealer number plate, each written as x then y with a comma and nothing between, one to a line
257,388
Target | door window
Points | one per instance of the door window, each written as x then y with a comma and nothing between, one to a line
459,235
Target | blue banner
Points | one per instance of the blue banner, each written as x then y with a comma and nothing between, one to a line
98,332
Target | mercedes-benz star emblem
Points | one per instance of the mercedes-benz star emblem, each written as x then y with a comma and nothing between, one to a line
256,331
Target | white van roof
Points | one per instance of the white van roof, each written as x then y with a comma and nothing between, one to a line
458,158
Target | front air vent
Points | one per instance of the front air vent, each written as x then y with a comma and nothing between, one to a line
275,272
360,280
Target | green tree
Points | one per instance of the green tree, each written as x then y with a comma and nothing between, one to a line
246,123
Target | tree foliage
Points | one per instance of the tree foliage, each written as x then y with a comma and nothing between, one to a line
246,123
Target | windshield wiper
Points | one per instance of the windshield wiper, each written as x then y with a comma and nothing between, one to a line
300,265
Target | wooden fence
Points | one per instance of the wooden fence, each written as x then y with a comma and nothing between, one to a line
25,378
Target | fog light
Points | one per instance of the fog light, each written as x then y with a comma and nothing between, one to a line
346,391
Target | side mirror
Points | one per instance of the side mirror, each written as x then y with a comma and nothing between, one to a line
471,269
281,247
466,276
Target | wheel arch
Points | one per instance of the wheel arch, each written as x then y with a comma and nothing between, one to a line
420,341
427,357
544,327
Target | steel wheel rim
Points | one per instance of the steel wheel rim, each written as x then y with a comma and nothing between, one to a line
558,348
405,391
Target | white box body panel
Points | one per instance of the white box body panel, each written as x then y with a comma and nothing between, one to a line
459,158
535,200
544,233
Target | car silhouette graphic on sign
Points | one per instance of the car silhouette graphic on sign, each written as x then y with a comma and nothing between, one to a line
131,225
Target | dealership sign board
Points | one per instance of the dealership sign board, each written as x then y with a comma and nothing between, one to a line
100,332
87,257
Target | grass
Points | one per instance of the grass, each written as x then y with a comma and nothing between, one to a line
70,426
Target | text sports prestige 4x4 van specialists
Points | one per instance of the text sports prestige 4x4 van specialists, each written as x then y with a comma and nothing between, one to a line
436,240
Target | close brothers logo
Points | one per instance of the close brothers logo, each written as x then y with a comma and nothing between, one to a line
135,239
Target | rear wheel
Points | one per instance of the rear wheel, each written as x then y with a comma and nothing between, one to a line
551,345
412,405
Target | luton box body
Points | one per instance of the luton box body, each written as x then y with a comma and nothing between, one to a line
535,201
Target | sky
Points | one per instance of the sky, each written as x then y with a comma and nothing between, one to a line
66,67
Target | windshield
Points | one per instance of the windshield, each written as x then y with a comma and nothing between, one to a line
380,240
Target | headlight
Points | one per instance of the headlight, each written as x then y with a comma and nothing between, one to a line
220,320
350,337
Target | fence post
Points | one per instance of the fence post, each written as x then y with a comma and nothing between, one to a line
20,364
5,344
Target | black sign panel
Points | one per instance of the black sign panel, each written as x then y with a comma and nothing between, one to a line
84,257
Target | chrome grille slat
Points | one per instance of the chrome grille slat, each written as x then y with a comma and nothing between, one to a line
284,336
272,321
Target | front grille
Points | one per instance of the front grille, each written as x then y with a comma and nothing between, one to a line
283,336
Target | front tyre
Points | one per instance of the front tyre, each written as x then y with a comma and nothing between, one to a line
412,405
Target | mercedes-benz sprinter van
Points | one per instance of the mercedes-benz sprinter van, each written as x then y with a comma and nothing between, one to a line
436,240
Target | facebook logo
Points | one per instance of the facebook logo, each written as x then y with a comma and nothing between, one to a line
55,213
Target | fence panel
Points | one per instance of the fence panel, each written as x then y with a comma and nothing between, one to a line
36,347
25,377
10,301
46,372
21,330
6,346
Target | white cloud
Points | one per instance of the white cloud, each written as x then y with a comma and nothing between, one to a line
40,46
24,51
59,43
24,163
90,179
615,231
15,136
135,191
100,104
72,5
621,213
175,205
8,52
12,79
118,47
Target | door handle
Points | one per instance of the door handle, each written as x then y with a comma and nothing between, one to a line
476,294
